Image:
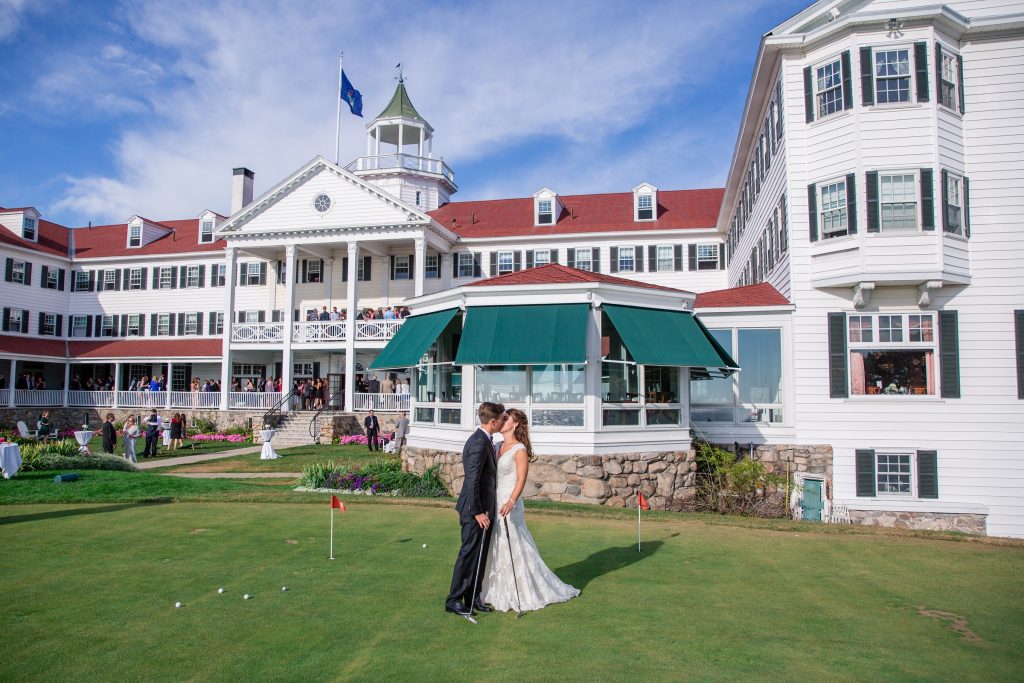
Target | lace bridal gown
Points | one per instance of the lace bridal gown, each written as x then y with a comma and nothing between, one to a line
538,585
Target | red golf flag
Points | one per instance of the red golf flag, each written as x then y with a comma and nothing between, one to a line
641,501
336,503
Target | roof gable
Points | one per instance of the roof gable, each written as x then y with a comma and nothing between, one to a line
557,274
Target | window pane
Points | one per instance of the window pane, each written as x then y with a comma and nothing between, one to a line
558,384
449,416
423,415
890,328
663,416
920,328
893,473
501,384
892,372
892,76
760,356
620,418
898,201
717,391
861,329
541,257
661,384
557,418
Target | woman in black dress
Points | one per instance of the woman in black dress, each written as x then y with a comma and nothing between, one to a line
177,422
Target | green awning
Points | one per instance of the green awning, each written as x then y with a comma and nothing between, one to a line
413,339
659,337
524,335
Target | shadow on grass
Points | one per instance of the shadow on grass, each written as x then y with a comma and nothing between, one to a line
55,514
606,561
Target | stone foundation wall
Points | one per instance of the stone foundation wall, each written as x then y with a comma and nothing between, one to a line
929,521
816,459
64,418
348,424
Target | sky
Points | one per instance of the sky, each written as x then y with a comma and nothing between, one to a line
112,109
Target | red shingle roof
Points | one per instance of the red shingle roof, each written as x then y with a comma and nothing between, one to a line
762,294
146,348
112,240
557,274
32,346
677,210
53,238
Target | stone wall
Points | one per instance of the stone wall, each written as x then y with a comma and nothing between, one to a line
930,521
64,418
347,424
816,459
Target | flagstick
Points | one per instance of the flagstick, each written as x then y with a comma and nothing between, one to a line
638,523
337,130
332,533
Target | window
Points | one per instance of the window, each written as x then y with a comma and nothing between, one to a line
302,369
644,207
466,265
18,272
52,278
431,267
893,473
217,275
361,269
627,259
829,90
79,325
163,324
107,326
252,273
109,282
506,262
134,327
134,235
252,316
402,269
192,276
541,257
81,283
49,324
832,211
861,328
954,204
898,361
890,328
206,231
948,81
666,258
756,398
322,203
919,328
14,318
707,257
418,197
545,214
584,258
135,278
28,228
191,323
892,76
898,201
313,273
166,279
218,324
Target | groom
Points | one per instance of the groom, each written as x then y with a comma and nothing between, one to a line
476,508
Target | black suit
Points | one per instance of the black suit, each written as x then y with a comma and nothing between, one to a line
372,427
109,437
478,496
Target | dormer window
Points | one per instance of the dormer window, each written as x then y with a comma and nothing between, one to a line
206,231
645,207
134,235
28,228
545,213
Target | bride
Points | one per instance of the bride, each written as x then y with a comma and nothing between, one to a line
538,586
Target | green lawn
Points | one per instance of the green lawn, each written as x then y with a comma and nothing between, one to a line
201,448
292,460
89,594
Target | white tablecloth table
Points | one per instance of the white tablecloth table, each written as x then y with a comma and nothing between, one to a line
268,451
10,459
83,437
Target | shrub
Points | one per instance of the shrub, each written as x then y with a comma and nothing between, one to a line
203,426
53,461
382,476
237,429
729,485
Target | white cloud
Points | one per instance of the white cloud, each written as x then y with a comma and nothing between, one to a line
255,85
11,15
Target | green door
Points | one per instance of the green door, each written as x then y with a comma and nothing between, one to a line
812,500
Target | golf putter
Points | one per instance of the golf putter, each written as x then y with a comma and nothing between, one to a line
476,575
508,539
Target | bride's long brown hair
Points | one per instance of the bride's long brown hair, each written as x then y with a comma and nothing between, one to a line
522,431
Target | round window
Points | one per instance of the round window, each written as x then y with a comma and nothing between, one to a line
322,203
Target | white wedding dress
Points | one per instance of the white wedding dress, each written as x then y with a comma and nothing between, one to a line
538,585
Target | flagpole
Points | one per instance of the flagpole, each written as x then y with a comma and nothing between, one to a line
337,135
332,533
638,523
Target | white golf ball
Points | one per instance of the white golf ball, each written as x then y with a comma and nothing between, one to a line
284,588
424,545
220,590
245,597
177,604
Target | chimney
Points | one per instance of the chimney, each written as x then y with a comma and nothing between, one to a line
241,189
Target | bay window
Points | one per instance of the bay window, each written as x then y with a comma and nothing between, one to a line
633,395
829,88
948,79
832,209
79,326
892,76
898,201
438,383
899,360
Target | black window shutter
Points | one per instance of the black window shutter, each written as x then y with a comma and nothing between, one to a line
778,110
1018,330
455,266
867,77
42,276
152,324
9,270
570,255
156,278
263,272
181,322
92,280
553,253
477,270
677,257
851,203
303,275
614,251
595,260
199,322
808,96
24,322
126,275
40,318
847,81
529,258
60,279
28,272
322,271
865,473
97,325
721,257
921,70
412,266
927,474
927,199
652,258
182,276
949,354
242,270
174,276
202,276
124,325
494,264
966,191
344,269
212,329
638,258
517,260
837,379
691,252
118,274
7,325
944,179
142,324
60,325
316,369
812,211
367,268
938,73
960,81
871,189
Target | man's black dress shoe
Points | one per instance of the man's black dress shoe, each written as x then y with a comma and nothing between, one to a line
480,606
457,607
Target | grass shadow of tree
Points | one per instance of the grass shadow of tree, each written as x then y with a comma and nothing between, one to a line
606,561
56,514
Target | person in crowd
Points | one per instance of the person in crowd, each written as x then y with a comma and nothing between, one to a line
401,430
325,314
154,383
249,385
143,384
40,383
44,428
403,387
373,386
388,385
359,315
334,314
130,435
109,434
177,427
344,314
270,386
3,381
311,315
389,314
152,426
360,384
372,427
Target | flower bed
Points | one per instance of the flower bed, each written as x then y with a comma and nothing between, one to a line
360,439
384,477
231,438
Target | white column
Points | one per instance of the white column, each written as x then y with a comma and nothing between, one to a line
401,130
592,374
369,144
420,265
350,325
13,382
230,273
170,374
67,382
376,136
289,300
419,149
117,384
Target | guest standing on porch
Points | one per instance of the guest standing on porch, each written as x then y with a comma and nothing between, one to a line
372,431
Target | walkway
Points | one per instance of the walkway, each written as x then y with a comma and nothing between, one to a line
189,459
234,475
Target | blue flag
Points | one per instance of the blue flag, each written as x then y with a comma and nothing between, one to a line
350,95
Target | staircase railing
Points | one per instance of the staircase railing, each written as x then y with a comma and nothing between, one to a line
314,423
273,416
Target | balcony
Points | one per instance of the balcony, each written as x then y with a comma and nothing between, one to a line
891,258
161,400
314,332
402,162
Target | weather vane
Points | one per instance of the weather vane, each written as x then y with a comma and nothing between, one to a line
400,77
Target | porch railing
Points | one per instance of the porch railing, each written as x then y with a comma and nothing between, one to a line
314,331
91,399
197,399
38,397
411,162
5,397
142,399
380,403
321,330
377,330
257,332
255,400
